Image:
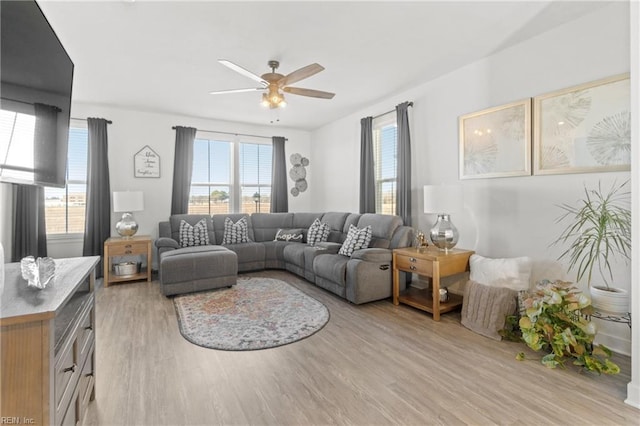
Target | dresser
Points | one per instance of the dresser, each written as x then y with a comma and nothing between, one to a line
429,262
47,339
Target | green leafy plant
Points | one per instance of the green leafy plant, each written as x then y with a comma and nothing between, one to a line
598,229
555,319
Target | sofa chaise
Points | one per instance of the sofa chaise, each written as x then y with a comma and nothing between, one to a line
363,276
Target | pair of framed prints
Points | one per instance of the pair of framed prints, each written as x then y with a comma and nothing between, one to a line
581,129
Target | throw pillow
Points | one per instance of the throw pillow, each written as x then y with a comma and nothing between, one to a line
357,238
318,232
514,273
195,235
294,235
235,233
485,308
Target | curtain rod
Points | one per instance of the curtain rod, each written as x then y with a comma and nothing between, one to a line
384,113
84,119
234,134
29,103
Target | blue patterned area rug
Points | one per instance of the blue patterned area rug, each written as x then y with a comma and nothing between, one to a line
256,313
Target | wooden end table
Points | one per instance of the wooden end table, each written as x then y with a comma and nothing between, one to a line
119,246
431,262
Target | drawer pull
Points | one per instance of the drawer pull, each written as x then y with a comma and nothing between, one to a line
127,252
88,327
72,369
89,374
128,246
413,268
412,259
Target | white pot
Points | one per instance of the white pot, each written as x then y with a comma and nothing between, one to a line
610,301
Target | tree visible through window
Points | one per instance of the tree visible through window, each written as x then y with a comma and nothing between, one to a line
230,176
65,207
385,153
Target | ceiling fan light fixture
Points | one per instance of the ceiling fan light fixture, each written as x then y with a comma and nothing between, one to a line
265,101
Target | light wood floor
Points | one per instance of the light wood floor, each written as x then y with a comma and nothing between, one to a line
371,364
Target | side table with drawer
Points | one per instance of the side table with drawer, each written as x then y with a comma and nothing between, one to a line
118,246
430,262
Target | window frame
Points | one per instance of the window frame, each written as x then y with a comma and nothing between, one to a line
379,123
73,124
235,185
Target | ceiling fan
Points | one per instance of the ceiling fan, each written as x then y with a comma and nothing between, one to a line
273,83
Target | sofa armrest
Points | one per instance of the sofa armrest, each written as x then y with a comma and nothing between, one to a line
372,255
165,242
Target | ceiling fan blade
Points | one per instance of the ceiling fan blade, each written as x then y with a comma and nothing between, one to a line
243,71
309,92
222,92
300,74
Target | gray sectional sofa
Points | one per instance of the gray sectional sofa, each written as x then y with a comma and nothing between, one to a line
364,276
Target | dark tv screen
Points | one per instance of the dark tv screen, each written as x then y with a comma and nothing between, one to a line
35,97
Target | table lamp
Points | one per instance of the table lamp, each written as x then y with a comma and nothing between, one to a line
443,200
127,202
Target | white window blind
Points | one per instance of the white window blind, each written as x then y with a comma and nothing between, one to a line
255,177
385,152
65,207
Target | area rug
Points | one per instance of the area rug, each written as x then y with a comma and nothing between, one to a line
256,313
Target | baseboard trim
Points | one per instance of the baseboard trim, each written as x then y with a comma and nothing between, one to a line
615,343
633,395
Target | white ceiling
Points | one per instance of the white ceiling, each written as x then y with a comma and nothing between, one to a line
162,56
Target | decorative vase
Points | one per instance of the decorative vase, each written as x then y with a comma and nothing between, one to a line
444,234
611,301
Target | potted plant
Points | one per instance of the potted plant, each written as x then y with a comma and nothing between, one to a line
555,319
598,229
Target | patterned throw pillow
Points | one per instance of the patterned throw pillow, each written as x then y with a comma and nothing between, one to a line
357,238
318,232
235,233
195,235
294,235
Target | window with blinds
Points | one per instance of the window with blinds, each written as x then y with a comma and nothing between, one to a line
230,176
65,207
385,153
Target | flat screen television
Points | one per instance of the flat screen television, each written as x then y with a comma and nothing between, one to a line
36,76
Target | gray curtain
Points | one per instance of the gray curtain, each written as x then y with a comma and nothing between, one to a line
279,194
403,188
29,230
367,171
97,224
45,146
182,168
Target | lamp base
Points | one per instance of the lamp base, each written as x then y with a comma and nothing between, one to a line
127,226
443,234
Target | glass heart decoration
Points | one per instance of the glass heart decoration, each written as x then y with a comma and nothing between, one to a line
38,272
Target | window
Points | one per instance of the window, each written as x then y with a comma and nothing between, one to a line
385,153
65,207
230,176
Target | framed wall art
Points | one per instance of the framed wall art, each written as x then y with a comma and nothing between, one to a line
586,128
496,142
146,163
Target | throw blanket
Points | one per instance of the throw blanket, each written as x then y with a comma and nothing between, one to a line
485,308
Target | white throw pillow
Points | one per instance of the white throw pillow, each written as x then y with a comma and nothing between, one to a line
196,235
235,233
514,273
357,238
318,232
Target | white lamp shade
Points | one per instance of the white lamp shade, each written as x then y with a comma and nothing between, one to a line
443,199
128,201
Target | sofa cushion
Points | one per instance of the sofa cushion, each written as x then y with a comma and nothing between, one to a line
191,219
293,235
485,308
331,267
266,225
195,235
235,233
357,239
219,222
383,228
337,229
318,232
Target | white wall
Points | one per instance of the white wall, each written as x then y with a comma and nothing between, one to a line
504,217
132,130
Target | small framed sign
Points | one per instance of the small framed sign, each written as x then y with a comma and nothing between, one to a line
146,163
